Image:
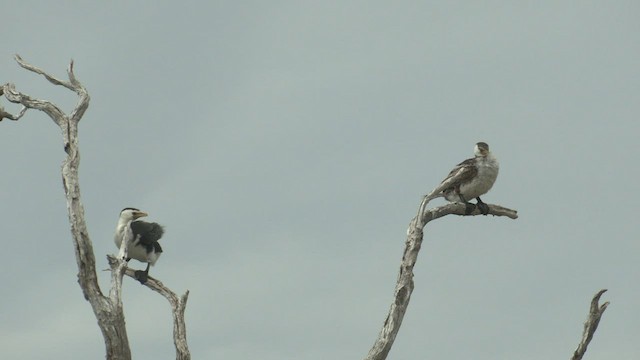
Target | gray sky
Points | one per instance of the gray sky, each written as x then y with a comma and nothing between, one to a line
286,145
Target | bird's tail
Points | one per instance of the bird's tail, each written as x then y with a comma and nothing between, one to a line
436,193
432,195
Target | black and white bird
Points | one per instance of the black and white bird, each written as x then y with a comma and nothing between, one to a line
142,238
470,179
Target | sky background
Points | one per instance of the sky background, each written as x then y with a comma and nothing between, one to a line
285,146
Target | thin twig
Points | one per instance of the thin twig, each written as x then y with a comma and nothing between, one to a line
39,71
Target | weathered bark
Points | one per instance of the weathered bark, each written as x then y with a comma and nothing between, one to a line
107,309
405,285
108,313
178,305
590,326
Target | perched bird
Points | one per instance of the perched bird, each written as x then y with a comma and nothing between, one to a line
470,179
143,239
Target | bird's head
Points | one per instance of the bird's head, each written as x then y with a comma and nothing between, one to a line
130,214
481,149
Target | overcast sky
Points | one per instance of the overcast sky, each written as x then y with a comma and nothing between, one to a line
286,145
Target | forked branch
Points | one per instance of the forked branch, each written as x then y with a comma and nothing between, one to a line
178,305
405,285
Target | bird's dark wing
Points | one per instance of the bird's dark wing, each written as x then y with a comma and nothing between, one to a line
463,172
149,234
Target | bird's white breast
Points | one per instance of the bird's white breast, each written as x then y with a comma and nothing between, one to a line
487,174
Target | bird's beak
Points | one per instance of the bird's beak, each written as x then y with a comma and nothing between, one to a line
139,214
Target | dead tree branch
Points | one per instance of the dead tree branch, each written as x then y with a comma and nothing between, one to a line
405,285
590,326
107,309
178,305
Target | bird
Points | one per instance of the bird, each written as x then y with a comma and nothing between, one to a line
469,179
143,239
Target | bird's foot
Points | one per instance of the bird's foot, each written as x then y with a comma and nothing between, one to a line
469,208
484,208
141,276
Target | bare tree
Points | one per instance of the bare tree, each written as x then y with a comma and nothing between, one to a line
405,285
107,308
